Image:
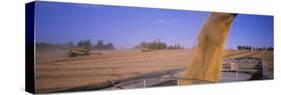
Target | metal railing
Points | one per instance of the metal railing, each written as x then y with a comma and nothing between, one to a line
150,82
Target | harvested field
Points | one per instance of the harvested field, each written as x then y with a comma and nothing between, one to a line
54,70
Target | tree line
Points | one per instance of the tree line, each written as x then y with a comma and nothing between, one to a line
87,44
157,45
254,48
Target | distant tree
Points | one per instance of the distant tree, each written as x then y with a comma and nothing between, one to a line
269,49
48,46
143,45
85,44
109,46
157,45
69,45
239,47
176,46
101,46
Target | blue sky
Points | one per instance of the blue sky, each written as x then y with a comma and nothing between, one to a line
126,27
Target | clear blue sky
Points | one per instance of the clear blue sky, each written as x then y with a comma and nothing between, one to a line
126,27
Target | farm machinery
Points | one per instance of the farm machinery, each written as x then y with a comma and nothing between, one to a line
75,52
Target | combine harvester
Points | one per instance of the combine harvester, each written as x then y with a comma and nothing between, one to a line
146,50
238,69
78,52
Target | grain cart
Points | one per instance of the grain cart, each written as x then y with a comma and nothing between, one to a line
75,52
146,50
